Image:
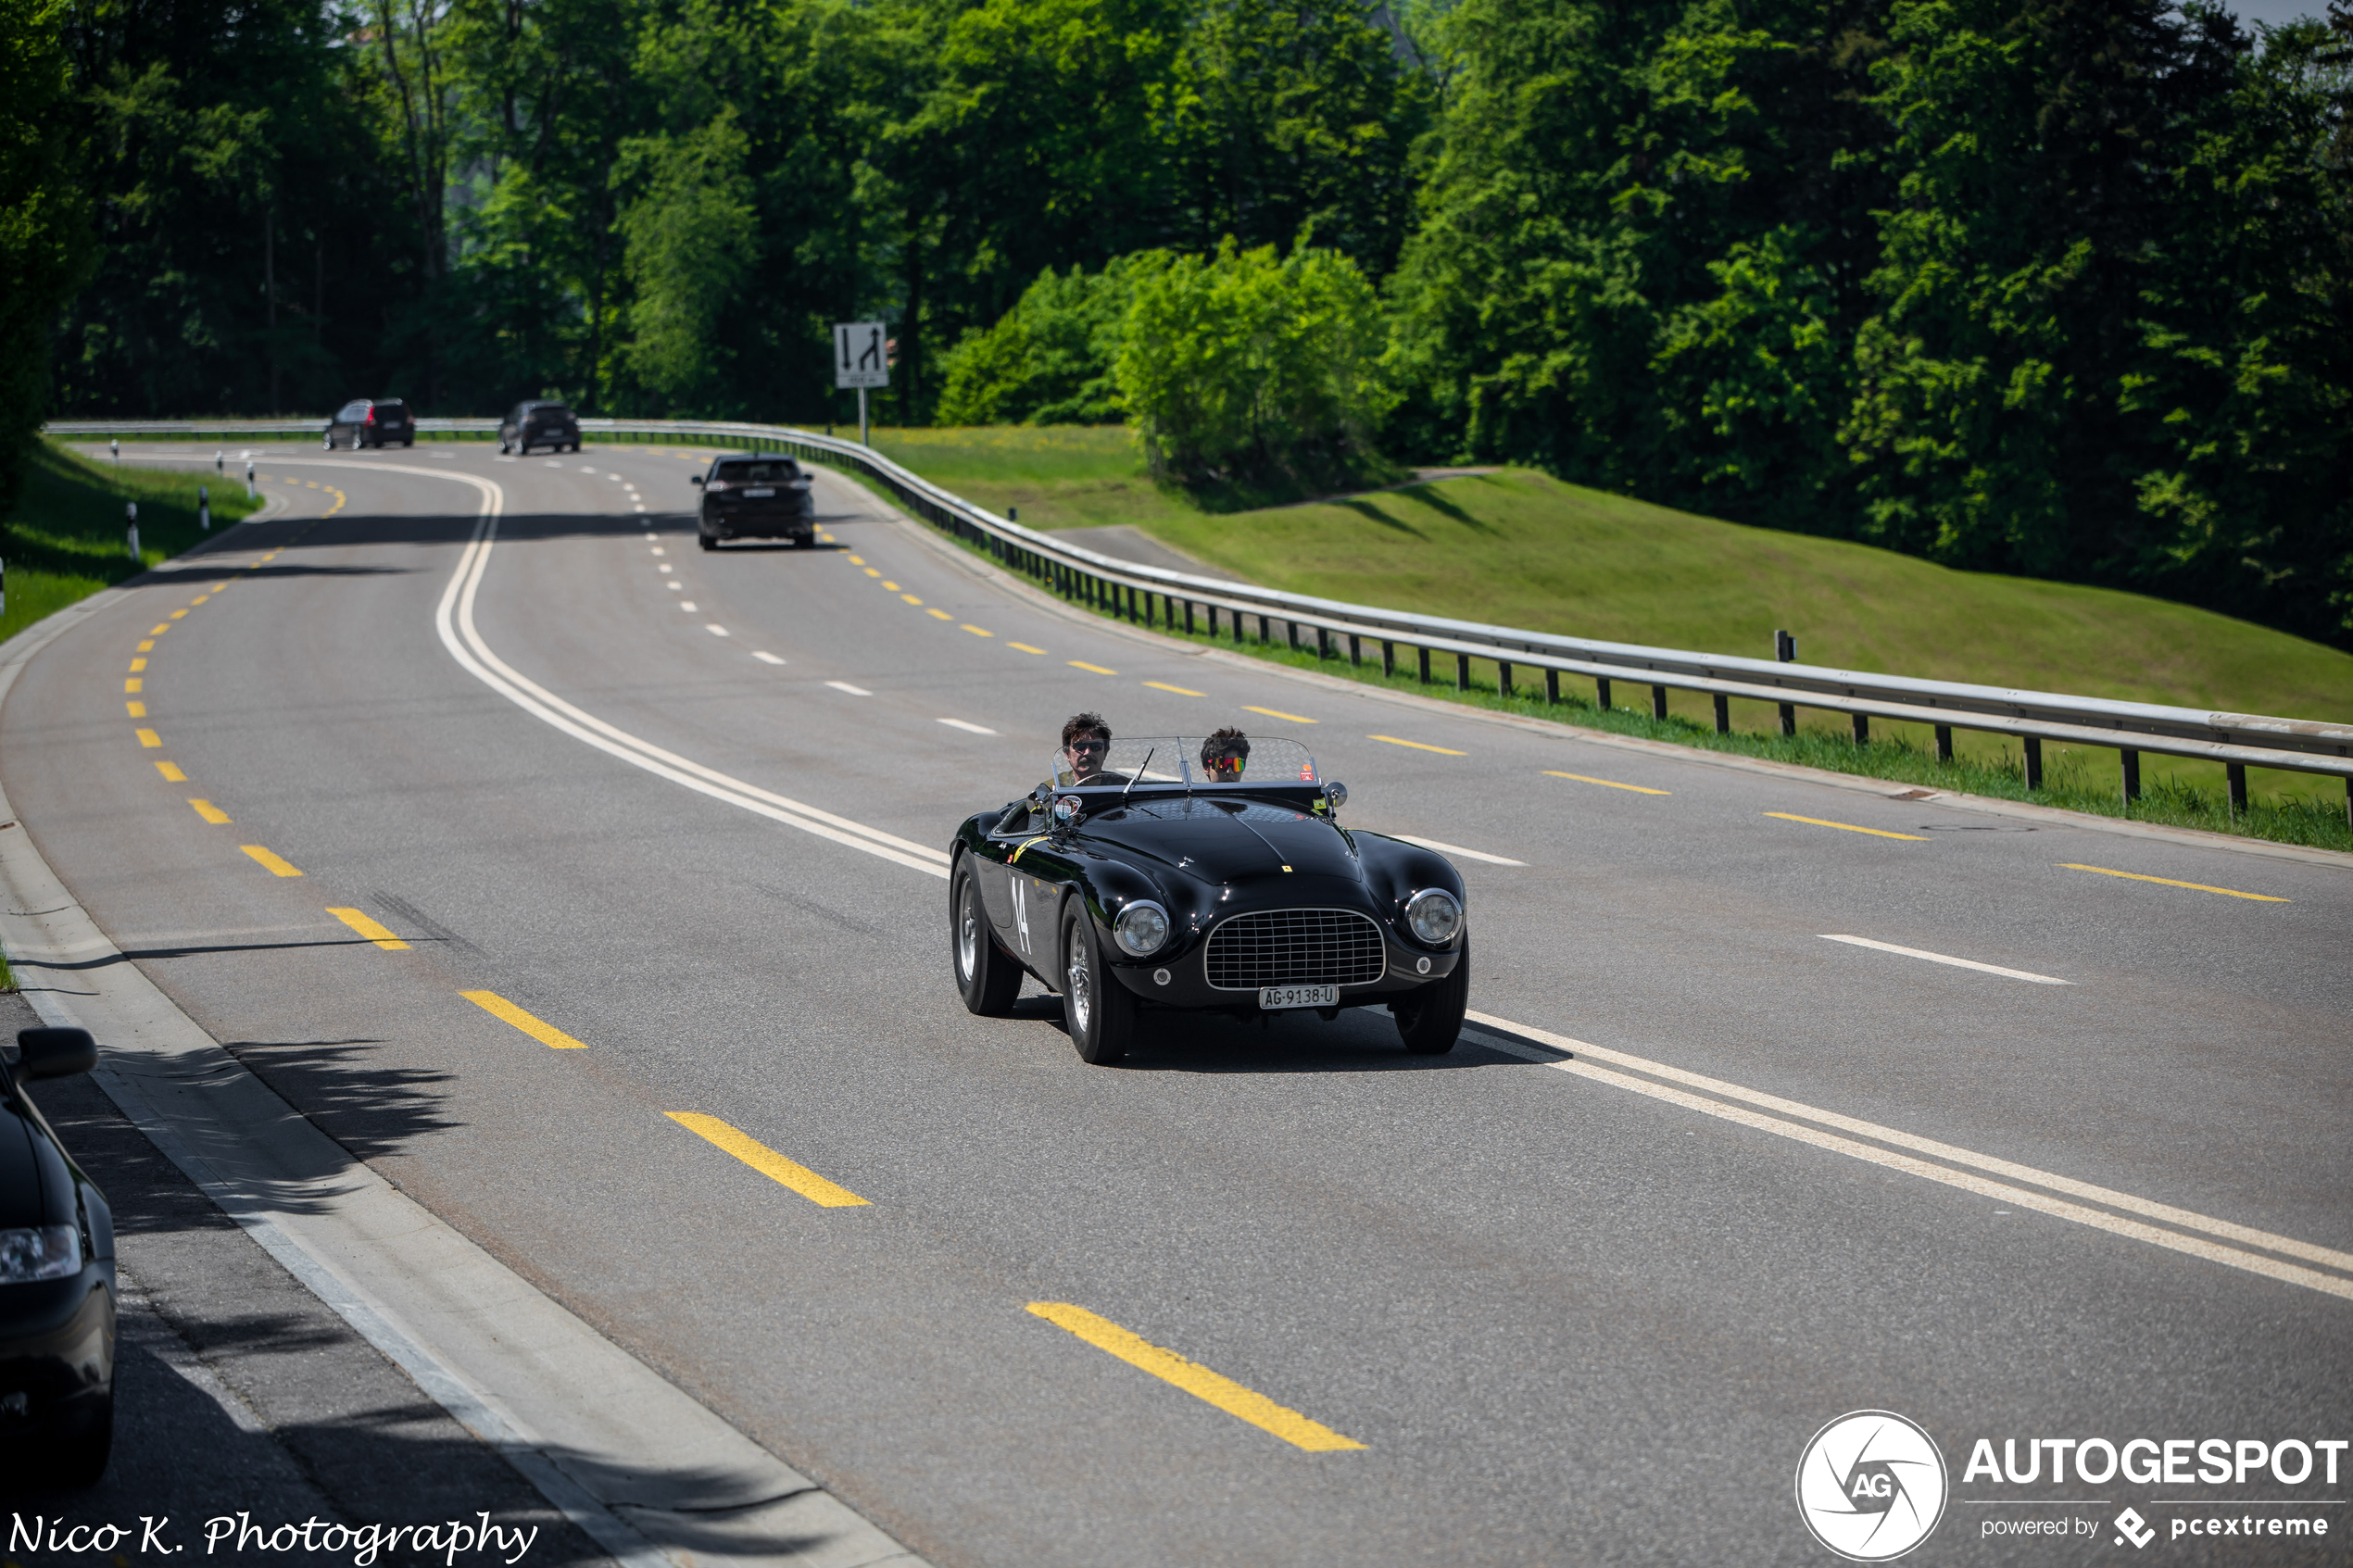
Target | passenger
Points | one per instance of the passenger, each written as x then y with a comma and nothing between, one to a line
1085,742
1223,756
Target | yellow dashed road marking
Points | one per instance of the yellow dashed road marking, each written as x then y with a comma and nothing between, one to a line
2169,882
1194,1379
170,771
210,813
1025,648
1279,713
1848,827
768,1162
546,1034
1606,784
1096,668
149,738
1419,745
976,631
380,936
277,864
1180,690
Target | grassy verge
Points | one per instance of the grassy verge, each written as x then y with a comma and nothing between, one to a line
64,540
1520,548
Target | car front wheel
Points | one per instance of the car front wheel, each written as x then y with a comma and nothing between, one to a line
1430,1018
1096,1009
327,441
705,540
986,973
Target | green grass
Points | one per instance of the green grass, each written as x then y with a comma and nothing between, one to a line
1519,548
64,539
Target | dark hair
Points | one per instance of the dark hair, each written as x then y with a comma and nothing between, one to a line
1227,742
1086,724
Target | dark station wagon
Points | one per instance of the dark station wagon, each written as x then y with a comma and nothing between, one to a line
371,422
539,424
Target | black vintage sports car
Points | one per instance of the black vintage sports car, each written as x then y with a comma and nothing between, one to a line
1153,885
764,495
56,1280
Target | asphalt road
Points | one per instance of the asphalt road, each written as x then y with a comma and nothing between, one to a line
1581,1312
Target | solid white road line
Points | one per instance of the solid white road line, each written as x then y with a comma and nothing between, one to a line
1458,849
767,657
1586,1054
961,725
1946,958
846,686
454,620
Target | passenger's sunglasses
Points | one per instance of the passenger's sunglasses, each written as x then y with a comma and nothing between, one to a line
1235,763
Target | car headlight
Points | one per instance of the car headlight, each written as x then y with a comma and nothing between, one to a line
1141,928
39,1252
1434,916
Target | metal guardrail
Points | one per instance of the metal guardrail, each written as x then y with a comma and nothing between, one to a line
1153,595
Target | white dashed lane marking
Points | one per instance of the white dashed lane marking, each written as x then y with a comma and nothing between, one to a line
846,686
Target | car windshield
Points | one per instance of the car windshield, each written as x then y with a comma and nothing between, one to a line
763,471
1178,759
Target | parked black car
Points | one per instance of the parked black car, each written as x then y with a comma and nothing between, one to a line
57,1279
762,496
1158,881
365,422
539,424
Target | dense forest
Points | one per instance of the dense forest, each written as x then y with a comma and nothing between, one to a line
2059,287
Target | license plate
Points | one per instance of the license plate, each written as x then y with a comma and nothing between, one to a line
758,494
1273,999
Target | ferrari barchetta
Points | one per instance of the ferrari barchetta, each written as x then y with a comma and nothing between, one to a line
1163,882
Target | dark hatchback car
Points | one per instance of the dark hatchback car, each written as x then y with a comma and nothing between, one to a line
539,424
762,496
371,422
57,1279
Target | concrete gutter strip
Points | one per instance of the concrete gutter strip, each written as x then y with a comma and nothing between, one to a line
644,1471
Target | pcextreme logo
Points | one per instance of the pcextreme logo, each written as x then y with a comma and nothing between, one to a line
1871,1486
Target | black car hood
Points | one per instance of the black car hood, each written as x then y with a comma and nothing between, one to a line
23,1200
1226,840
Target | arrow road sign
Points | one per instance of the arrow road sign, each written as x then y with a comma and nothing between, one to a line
860,357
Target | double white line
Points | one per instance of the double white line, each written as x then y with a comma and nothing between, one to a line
1733,1103
455,620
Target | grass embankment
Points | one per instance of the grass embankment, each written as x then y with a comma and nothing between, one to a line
64,539
1518,548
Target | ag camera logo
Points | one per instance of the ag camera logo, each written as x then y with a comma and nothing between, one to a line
1871,1486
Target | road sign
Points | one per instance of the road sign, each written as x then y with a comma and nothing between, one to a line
862,354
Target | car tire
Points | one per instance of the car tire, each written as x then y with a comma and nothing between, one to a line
327,440
1096,1009
81,1460
985,974
705,540
1430,1018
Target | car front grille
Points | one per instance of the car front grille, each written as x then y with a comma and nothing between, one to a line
1295,947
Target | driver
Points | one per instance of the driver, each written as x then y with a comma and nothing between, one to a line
1223,756
1085,742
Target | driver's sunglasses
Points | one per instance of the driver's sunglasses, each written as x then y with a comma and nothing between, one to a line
1090,746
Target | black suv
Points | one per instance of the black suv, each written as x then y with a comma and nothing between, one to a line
762,496
365,422
539,424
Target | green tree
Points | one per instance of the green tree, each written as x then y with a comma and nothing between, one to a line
45,246
1243,368
1049,361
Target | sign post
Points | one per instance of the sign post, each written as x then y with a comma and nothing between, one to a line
861,358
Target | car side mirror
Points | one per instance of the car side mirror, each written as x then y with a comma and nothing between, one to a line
55,1053
694,480
1066,810
1337,794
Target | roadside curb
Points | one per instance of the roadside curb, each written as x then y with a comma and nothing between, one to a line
652,1476
1554,729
